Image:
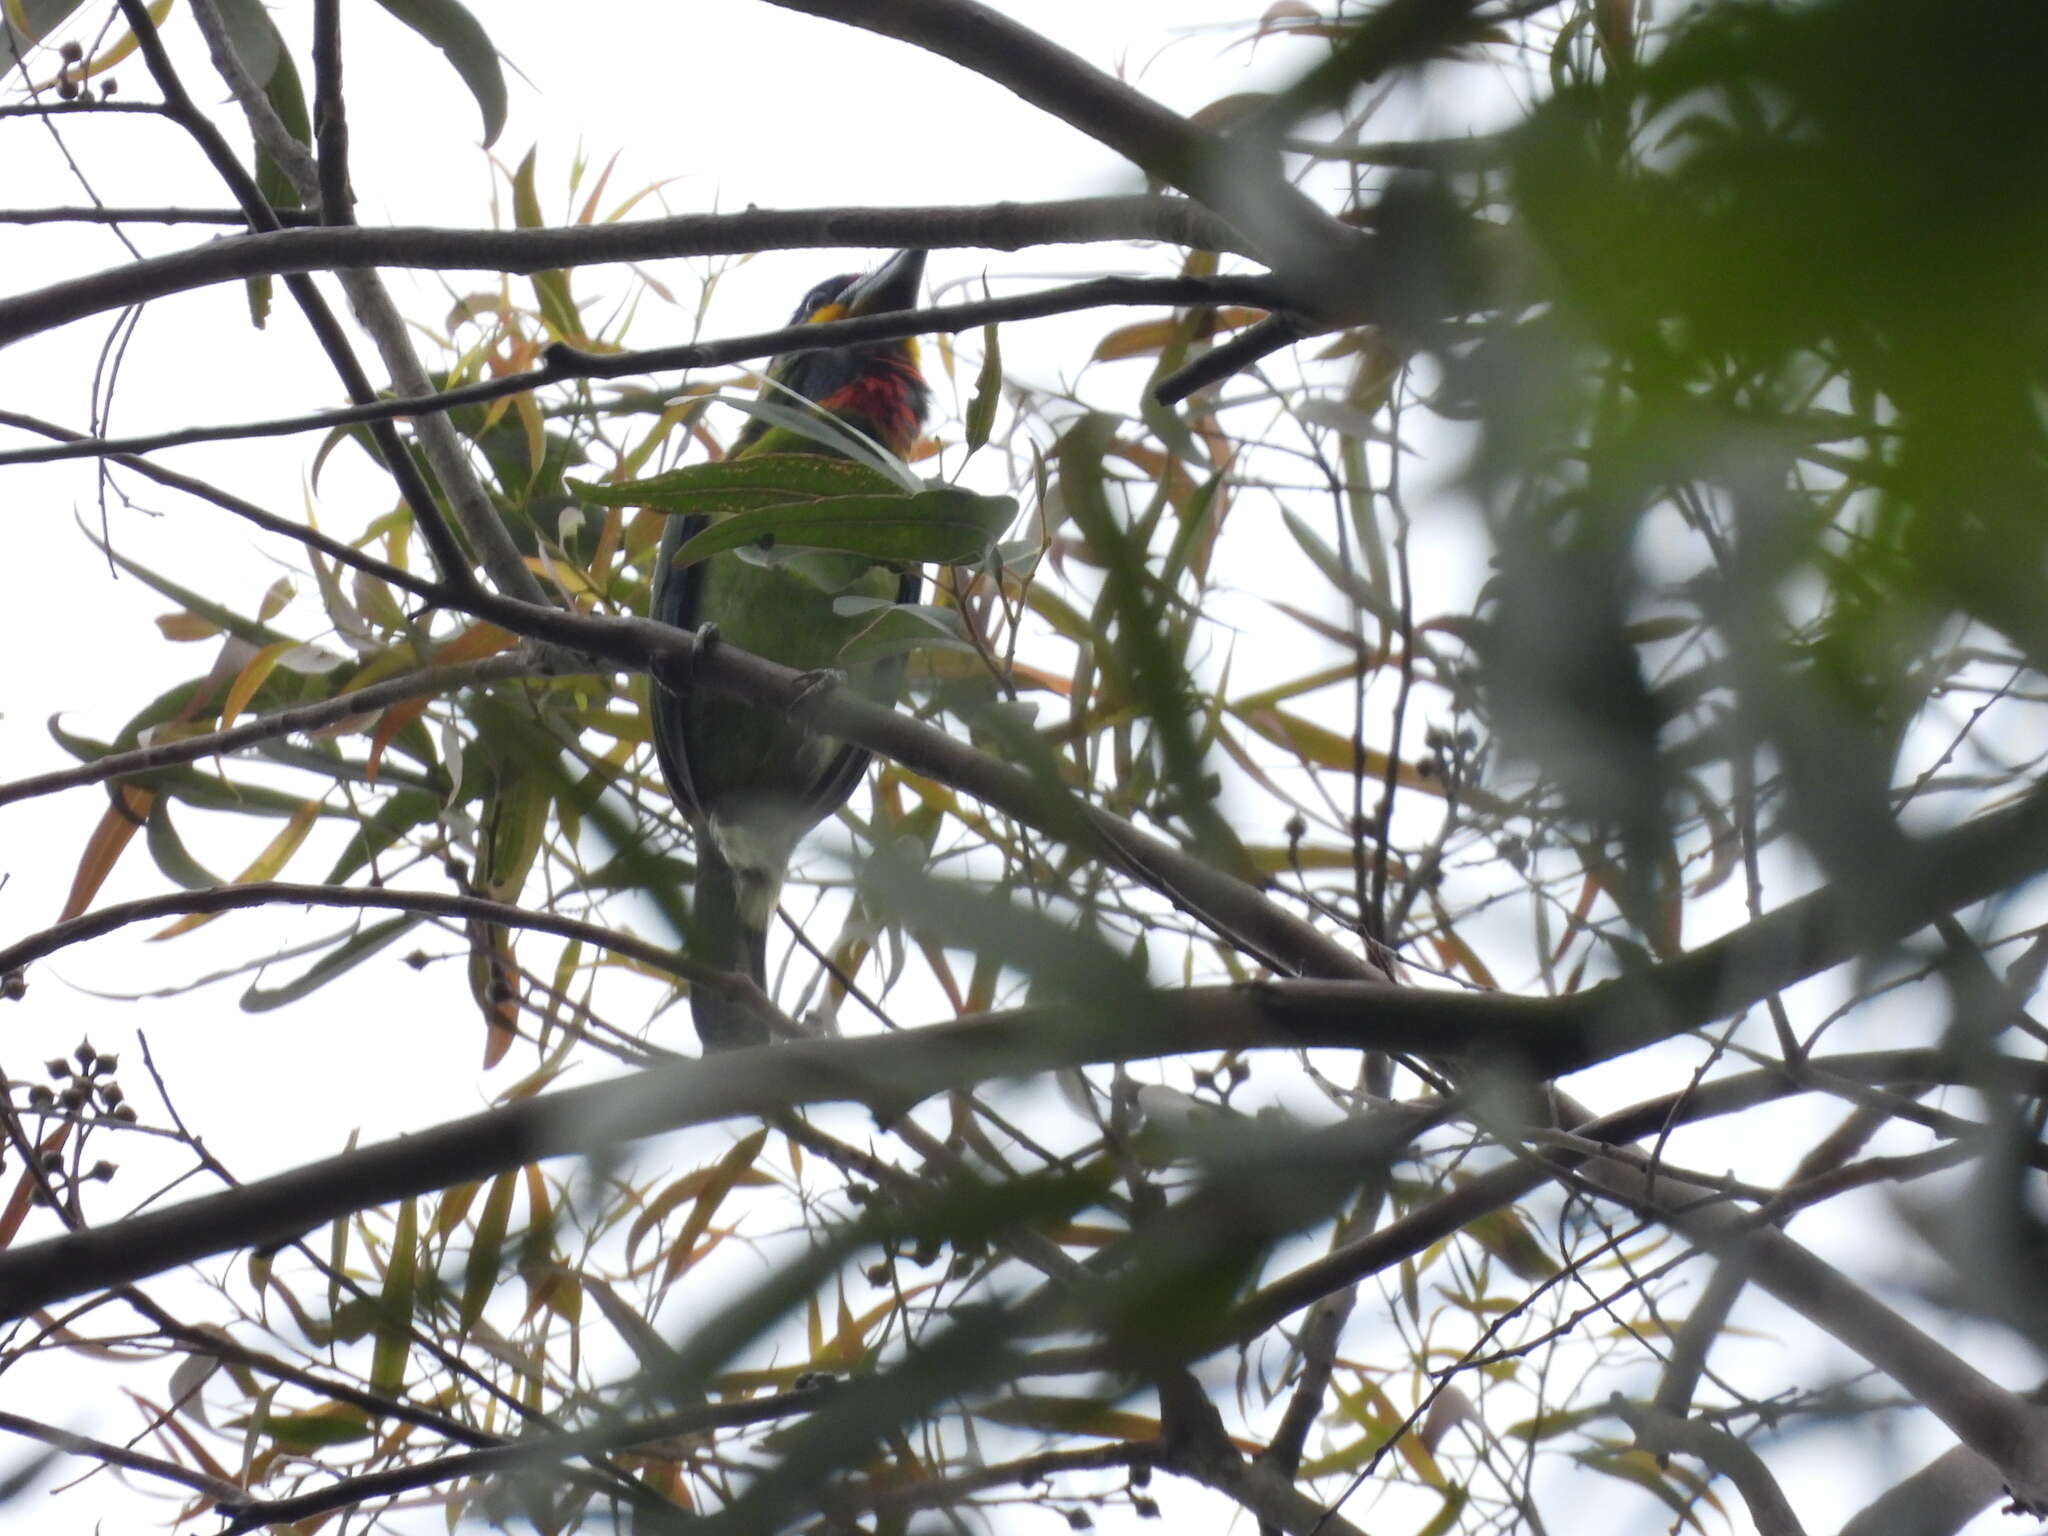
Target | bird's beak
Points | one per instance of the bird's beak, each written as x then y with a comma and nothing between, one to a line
890,287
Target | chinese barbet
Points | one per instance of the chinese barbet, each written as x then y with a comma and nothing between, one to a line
752,780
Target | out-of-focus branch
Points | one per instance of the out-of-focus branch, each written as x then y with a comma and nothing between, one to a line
1938,1500
1661,1433
1998,1424
513,1457
118,1456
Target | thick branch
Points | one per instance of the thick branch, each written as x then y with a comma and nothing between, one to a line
1999,1425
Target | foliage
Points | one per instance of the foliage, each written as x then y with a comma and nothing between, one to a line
1720,777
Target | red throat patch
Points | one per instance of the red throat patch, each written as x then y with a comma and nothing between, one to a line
886,399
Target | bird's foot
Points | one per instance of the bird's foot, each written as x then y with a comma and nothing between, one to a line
812,689
708,640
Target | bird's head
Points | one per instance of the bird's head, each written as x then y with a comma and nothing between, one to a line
877,388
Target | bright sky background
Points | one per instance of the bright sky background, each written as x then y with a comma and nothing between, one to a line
729,103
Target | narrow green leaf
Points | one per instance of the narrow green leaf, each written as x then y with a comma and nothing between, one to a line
486,1253
988,390
342,958
943,526
900,628
394,1304
550,288
168,849
305,1432
452,29
743,485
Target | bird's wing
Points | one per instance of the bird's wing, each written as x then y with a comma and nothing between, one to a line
676,595
836,785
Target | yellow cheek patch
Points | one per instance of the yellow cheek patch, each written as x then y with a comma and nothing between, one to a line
825,312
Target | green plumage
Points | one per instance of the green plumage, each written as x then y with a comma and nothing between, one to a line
752,780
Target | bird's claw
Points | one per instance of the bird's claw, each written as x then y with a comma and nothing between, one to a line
811,690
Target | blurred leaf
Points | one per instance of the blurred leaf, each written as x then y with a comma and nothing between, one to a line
1071,1415
255,39
24,23
169,852
182,627
486,1258
254,674
719,1181
314,1430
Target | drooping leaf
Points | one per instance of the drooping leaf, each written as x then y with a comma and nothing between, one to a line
988,389
450,27
338,961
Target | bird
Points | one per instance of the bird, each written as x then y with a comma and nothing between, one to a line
751,780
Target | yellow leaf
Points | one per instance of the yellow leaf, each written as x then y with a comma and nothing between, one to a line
252,677
274,599
263,867
181,627
128,812
1144,337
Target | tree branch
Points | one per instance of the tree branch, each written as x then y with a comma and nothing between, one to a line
118,1456
374,311
1324,261
425,683
179,106
282,893
564,362
430,592
281,252
513,1457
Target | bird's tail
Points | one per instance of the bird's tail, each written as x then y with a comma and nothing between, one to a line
733,909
